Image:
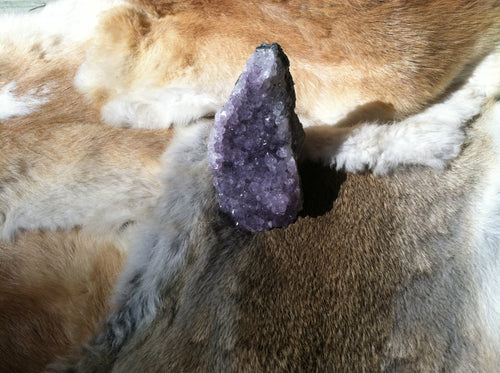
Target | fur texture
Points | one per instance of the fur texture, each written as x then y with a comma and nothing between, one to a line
432,137
397,276
343,54
103,180
54,292
135,70
61,170
59,167
153,65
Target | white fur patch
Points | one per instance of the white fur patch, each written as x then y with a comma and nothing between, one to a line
74,202
159,108
12,105
56,27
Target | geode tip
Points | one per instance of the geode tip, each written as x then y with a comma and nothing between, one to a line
254,143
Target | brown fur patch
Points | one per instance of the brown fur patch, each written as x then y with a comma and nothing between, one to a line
386,279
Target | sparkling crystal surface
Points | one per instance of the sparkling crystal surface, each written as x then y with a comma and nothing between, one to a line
254,143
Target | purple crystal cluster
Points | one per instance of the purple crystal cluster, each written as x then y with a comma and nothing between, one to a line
254,143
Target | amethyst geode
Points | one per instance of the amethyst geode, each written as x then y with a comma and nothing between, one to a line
254,143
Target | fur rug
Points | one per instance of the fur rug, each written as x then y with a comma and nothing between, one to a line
115,256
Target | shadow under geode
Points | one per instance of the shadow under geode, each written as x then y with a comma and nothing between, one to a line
320,187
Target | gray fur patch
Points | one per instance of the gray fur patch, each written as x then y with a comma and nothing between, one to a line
164,247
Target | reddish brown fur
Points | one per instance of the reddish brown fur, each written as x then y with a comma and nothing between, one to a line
54,287
404,54
54,292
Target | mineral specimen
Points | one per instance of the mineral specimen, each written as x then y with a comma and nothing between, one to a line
254,143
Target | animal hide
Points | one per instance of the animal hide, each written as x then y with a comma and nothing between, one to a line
390,266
